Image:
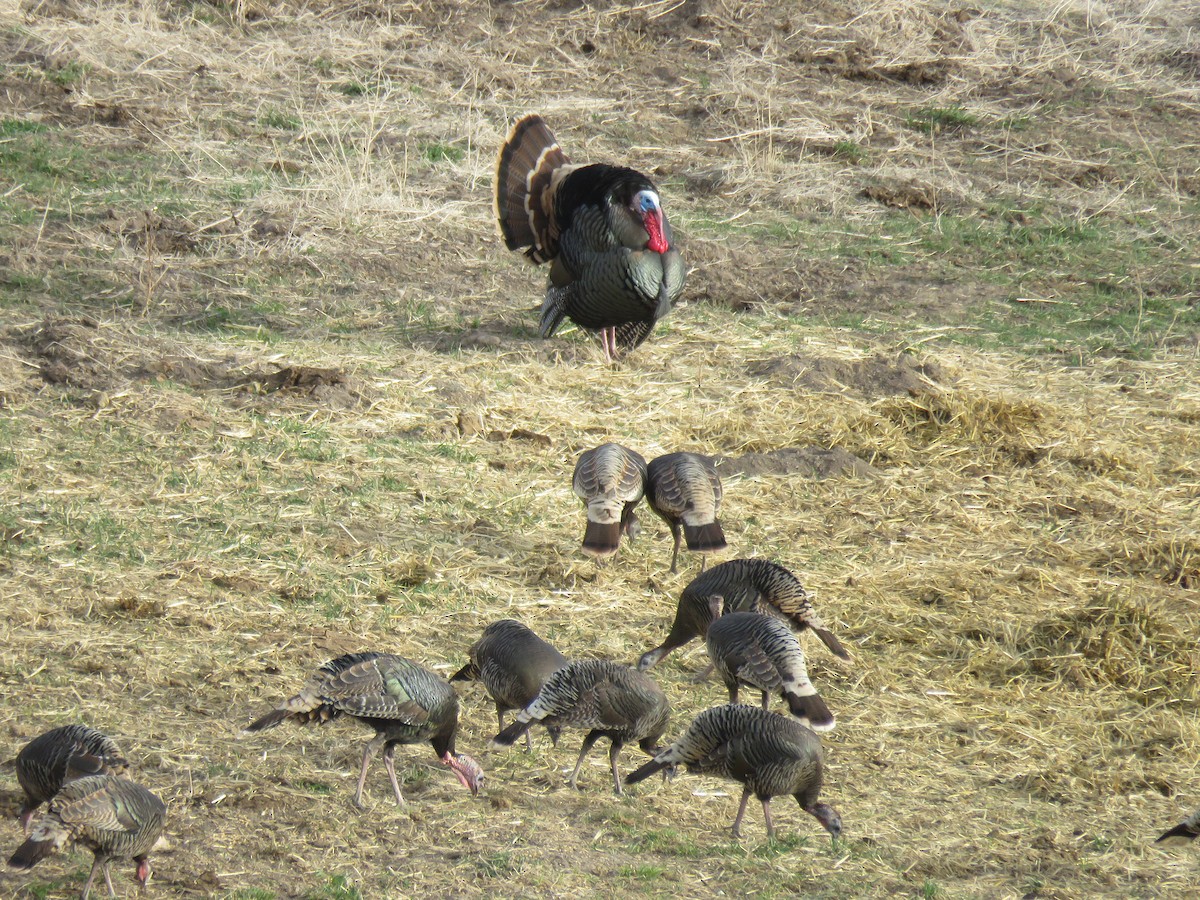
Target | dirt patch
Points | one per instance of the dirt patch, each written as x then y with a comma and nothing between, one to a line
876,376
329,387
807,462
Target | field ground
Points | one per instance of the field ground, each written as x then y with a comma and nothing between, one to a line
271,391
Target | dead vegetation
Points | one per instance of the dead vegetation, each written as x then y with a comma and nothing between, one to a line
270,391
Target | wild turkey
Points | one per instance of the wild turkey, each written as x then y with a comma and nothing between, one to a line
610,480
614,267
761,651
609,699
60,755
684,489
750,585
513,663
404,702
1183,833
769,754
112,817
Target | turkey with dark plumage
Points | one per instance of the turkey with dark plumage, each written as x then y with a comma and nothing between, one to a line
614,266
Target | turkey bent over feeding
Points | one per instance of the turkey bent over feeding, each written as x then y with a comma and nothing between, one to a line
614,267
112,817
685,490
761,651
404,702
769,754
60,755
609,699
610,480
513,663
751,585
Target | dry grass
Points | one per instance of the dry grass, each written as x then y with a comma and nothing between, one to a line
185,532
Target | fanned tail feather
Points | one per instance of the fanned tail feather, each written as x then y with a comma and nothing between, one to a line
524,173
812,709
704,538
601,538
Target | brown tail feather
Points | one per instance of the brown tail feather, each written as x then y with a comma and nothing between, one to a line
601,539
704,538
834,645
813,709
31,853
524,172
270,720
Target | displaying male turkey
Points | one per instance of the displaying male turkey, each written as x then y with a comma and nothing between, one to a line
112,817
610,480
404,702
761,651
771,755
685,490
60,755
614,267
609,699
751,585
1183,833
513,663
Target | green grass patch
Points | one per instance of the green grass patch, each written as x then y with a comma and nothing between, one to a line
336,887
937,119
439,153
272,117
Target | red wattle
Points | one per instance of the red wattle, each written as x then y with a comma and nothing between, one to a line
652,222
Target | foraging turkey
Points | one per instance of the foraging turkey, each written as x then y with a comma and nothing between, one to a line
609,699
60,755
112,817
685,491
1183,833
750,585
614,267
610,480
513,663
769,754
761,651
404,702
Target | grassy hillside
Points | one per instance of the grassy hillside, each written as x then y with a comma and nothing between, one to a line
271,390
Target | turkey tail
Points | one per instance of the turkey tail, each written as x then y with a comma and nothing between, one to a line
524,175
270,720
508,736
704,537
643,772
601,538
834,645
80,765
812,709
30,853
469,672
1177,837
